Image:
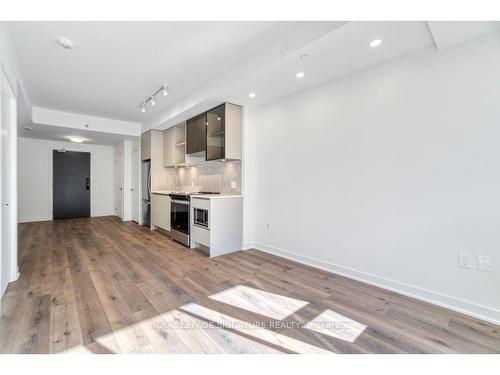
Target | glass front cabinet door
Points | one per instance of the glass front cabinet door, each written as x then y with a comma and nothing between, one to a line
216,133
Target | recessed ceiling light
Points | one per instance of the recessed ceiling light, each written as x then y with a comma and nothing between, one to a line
76,139
300,75
252,95
375,43
65,42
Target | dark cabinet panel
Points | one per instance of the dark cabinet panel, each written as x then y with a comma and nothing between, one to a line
196,134
216,136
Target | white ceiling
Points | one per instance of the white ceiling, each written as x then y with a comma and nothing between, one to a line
343,50
115,65
63,134
451,33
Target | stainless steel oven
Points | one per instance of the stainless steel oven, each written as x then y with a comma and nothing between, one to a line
179,218
200,217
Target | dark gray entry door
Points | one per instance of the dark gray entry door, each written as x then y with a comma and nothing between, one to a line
71,178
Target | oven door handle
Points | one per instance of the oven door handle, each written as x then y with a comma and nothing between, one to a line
186,203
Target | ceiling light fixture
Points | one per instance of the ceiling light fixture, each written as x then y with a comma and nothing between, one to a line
65,42
252,95
76,139
152,99
375,43
300,75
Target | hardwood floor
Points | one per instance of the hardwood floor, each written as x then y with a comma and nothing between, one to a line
102,286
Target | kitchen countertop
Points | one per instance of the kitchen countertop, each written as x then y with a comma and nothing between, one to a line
215,196
200,196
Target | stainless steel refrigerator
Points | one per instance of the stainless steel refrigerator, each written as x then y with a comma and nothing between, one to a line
146,193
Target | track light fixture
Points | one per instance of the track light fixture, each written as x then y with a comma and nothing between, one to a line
152,99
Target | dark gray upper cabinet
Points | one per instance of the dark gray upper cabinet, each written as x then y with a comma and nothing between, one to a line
196,130
216,119
224,132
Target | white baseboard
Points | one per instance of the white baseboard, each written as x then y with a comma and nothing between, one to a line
248,245
456,304
33,219
105,214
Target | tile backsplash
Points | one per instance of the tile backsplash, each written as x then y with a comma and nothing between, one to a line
207,176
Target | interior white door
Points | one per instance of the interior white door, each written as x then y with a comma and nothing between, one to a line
136,163
8,221
119,185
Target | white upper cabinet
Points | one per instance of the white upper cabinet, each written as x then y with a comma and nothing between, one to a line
174,145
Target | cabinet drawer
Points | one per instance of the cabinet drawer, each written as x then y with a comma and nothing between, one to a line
200,235
200,203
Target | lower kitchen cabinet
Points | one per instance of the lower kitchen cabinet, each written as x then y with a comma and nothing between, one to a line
160,211
216,223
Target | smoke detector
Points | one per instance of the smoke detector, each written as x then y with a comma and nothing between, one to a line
65,42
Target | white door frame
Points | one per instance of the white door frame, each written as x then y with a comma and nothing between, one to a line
137,202
12,199
118,193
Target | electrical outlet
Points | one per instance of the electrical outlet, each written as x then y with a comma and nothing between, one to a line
483,263
465,260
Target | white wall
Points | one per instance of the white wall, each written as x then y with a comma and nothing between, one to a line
35,177
385,175
10,63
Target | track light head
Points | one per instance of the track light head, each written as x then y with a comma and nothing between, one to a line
143,107
152,100
165,92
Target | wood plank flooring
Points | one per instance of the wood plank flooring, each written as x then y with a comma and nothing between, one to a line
102,286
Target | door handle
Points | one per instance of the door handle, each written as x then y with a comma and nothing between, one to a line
5,204
87,183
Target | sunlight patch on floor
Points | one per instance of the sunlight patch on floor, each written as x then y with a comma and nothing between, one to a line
336,325
173,332
79,349
258,301
254,330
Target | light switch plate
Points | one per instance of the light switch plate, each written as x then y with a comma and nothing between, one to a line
233,184
483,263
465,260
